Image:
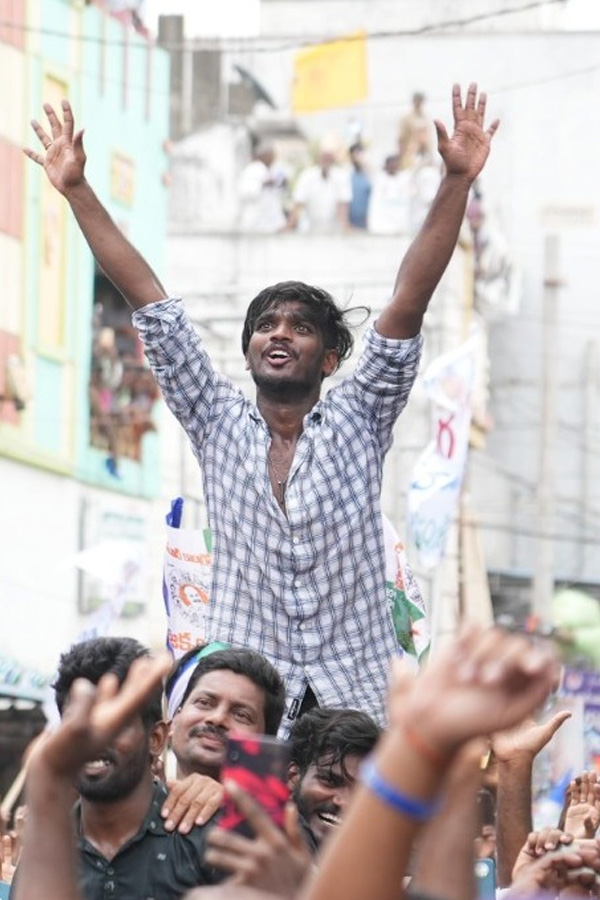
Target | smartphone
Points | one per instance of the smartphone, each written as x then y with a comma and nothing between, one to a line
259,764
485,879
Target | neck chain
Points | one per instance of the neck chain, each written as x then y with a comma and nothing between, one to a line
279,481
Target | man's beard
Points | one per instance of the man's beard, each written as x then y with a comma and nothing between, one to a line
282,388
118,783
307,810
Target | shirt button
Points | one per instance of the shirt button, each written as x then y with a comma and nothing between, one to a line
295,540
153,825
110,871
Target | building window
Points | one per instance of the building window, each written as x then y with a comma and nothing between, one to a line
122,390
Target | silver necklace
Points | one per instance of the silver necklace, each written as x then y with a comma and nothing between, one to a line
281,483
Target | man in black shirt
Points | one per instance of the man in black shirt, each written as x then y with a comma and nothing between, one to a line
124,850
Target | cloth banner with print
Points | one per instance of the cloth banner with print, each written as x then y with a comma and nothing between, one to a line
438,473
404,596
187,582
187,574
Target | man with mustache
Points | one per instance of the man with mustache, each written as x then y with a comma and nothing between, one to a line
233,690
124,850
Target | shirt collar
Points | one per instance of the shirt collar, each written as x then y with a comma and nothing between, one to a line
314,415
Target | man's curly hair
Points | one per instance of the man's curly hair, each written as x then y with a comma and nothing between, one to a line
327,737
94,658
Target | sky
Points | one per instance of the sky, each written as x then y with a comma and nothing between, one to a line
241,18
207,18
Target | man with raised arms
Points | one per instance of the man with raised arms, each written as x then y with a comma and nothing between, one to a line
292,482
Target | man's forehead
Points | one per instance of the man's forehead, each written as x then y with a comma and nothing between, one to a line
289,308
224,682
345,766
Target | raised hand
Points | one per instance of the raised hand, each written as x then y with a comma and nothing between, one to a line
550,862
64,157
528,738
465,152
583,812
483,681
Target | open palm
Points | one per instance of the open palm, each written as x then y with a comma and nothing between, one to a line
466,150
64,158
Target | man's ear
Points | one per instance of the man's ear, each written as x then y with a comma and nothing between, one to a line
293,775
158,736
331,361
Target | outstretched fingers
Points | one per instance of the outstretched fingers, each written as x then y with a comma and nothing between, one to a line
470,108
36,157
481,105
55,124
42,135
68,124
472,96
456,101
493,128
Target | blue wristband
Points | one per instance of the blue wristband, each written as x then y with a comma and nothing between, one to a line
392,797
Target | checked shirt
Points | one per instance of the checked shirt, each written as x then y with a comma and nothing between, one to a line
306,588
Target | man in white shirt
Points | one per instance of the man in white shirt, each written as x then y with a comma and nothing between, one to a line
261,189
322,196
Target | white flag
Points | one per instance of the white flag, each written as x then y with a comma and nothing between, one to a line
438,473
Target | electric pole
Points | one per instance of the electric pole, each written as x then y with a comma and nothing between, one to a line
543,579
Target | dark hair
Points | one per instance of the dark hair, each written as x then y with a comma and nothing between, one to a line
94,658
326,314
329,736
254,667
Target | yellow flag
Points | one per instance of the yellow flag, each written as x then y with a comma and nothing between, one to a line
332,74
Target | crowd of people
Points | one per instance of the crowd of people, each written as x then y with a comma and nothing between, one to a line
340,192
385,795
372,813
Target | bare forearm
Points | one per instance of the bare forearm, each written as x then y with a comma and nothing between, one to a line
48,865
445,859
513,814
425,261
115,255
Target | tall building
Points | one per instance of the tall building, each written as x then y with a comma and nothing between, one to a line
79,455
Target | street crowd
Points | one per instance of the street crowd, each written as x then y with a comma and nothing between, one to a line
340,192
294,753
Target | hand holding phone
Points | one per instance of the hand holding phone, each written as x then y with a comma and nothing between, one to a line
259,765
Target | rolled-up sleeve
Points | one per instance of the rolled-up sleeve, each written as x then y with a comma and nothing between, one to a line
180,365
380,385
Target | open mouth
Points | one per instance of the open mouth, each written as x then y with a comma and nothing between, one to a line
329,819
97,766
278,357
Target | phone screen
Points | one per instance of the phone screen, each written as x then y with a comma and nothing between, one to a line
259,764
485,878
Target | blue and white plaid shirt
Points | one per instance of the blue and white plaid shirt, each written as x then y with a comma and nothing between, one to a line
306,589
